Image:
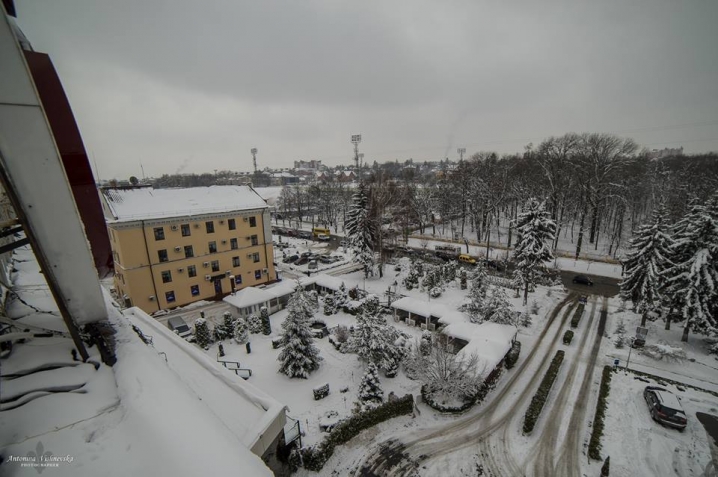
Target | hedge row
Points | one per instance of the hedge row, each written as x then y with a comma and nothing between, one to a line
316,456
513,355
539,399
594,445
447,409
577,315
567,337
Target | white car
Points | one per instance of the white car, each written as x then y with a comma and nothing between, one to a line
323,237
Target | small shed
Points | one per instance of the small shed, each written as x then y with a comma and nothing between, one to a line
489,341
249,300
416,312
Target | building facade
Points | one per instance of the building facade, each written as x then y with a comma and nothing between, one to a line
172,247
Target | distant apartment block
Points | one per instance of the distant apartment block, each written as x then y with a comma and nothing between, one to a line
311,165
666,152
172,247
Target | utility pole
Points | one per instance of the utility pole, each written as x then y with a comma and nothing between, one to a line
254,158
461,151
356,139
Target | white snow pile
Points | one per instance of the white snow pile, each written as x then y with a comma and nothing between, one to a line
662,351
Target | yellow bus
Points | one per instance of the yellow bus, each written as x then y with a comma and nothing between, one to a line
318,230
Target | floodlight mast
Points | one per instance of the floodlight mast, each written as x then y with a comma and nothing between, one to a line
356,139
254,158
461,151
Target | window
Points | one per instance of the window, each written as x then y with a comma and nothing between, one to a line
257,274
162,254
233,244
235,261
166,276
213,247
159,233
194,289
215,265
188,251
255,257
253,221
238,279
191,271
185,230
170,296
231,224
210,227
254,240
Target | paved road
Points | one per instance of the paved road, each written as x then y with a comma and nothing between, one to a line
602,286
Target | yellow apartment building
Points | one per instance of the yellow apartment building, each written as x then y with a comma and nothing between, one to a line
172,247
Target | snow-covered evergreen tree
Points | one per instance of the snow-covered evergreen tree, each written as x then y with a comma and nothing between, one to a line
254,323
370,392
241,330
647,259
341,297
497,308
373,339
694,274
329,304
477,295
463,278
535,231
202,333
361,229
425,343
264,317
299,356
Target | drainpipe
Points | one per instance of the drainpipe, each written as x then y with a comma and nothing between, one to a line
149,262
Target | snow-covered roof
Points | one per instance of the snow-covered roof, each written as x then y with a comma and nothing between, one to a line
148,203
421,307
323,280
489,341
248,296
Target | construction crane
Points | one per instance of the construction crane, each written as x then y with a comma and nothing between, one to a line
254,158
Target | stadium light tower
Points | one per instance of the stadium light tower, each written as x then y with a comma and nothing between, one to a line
461,151
254,158
356,139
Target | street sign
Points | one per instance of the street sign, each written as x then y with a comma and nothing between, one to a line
615,362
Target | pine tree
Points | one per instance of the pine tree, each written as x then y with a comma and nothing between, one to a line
647,260
299,356
694,275
254,323
535,231
329,305
341,296
264,317
361,229
241,330
201,333
477,295
425,343
463,277
497,308
373,340
370,392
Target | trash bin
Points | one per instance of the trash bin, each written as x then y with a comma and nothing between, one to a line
249,348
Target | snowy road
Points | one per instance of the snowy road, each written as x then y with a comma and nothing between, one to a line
492,434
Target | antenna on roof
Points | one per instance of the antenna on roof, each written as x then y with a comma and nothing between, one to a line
143,171
254,158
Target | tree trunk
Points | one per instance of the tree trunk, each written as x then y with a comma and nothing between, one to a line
668,319
580,231
686,329
526,293
644,317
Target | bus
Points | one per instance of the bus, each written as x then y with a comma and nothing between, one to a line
319,230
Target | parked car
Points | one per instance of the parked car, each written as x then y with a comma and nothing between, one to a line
291,233
665,407
306,254
495,264
344,243
583,280
323,237
305,234
312,265
302,261
326,259
291,259
180,327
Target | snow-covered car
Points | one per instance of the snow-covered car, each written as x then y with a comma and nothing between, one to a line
583,280
291,259
305,235
180,327
344,243
665,407
323,237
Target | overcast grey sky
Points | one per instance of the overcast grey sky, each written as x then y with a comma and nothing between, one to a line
192,86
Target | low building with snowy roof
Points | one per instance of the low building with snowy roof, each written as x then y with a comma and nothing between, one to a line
490,342
416,312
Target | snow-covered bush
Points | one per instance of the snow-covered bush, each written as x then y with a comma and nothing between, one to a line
202,334
241,329
513,355
254,323
435,292
663,351
525,320
264,317
497,308
620,341
477,295
539,399
620,327
370,392
425,343
463,277
534,307
224,330
329,305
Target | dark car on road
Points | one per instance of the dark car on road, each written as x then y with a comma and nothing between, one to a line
291,259
305,235
583,280
302,261
665,407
